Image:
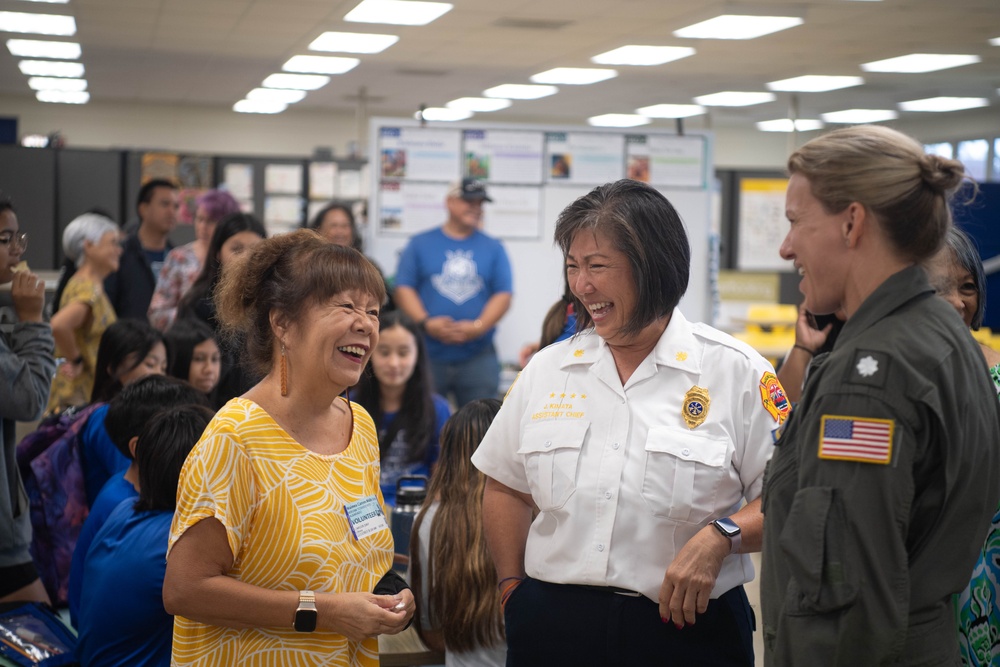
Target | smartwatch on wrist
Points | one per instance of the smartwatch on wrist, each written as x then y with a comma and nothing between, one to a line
305,613
731,531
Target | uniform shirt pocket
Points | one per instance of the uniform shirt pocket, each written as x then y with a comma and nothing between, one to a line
683,472
551,452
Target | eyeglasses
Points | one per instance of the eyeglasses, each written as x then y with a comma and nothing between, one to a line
12,240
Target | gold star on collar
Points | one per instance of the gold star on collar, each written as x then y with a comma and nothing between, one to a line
681,356
577,353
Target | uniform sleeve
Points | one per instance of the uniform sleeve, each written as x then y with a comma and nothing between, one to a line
844,541
27,367
407,273
217,480
497,455
503,280
765,407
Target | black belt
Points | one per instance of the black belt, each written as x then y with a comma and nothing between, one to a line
610,589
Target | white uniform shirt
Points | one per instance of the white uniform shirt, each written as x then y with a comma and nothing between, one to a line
621,481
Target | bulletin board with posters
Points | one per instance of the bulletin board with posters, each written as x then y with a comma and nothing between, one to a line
531,173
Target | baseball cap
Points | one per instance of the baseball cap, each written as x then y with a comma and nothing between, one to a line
469,189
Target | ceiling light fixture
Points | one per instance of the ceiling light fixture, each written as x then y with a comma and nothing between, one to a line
787,125
731,98
918,63
520,91
320,64
738,26
443,114
671,110
398,12
283,96
257,106
55,83
640,55
815,83
63,96
296,81
352,42
940,104
37,48
51,68
859,116
995,41
618,120
574,76
479,104
42,24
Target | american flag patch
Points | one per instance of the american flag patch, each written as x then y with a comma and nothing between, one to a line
856,439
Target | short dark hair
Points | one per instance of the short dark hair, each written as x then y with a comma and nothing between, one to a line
121,339
136,404
647,229
183,336
163,446
148,188
6,204
317,221
965,252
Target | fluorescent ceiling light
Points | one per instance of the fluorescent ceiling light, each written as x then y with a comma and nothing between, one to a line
618,120
42,24
320,64
443,114
640,55
574,76
815,83
786,125
995,41
736,26
63,96
732,98
296,81
257,106
53,83
353,42
859,116
37,48
51,68
944,104
671,110
398,12
284,96
477,104
54,2
917,63
520,91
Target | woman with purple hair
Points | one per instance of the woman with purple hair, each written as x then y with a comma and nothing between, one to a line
183,264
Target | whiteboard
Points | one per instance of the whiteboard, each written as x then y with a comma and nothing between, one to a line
535,260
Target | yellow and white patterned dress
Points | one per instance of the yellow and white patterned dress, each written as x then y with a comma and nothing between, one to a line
283,509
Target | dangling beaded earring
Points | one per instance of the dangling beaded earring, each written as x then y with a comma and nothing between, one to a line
284,372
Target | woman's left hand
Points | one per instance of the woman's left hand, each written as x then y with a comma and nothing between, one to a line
689,580
402,605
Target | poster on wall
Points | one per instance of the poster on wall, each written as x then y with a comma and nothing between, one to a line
194,175
282,213
407,208
503,156
584,158
322,180
159,165
663,160
515,213
419,154
238,179
762,224
283,179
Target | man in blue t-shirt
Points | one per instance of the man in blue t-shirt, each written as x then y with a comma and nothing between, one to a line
455,282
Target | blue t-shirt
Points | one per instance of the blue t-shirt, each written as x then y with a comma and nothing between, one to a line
110,497
455,277
99,456
122,619
394,463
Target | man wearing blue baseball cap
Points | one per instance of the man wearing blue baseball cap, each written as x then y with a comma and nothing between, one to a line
455,282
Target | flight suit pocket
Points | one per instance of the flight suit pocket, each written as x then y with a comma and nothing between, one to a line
551,452
683,472
817,544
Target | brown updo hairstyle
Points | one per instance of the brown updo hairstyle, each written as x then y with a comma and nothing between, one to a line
287,274
889,174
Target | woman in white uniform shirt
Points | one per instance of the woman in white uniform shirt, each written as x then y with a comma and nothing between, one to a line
629,439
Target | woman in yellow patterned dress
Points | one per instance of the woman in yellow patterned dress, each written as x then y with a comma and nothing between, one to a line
84,313
279,551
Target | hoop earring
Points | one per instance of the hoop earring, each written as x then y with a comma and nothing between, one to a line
284,372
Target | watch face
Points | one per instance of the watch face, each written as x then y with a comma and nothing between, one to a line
727,527
305,620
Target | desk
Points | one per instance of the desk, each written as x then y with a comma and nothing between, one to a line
406,649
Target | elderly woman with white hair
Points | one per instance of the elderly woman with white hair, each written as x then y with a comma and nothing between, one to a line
84,313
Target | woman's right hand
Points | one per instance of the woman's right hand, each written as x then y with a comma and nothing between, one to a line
27,291
806,335
358,616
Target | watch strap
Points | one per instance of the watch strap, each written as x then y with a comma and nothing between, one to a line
731,531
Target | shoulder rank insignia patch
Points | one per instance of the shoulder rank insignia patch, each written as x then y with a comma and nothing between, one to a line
772,395
696,404
869,367
858,439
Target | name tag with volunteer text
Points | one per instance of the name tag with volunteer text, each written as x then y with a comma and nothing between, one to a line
365,517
